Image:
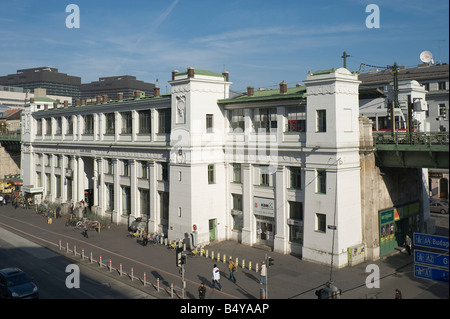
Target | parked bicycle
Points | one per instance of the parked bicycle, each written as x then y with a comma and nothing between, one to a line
92,225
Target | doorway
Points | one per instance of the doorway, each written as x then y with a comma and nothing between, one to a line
264,232
212,230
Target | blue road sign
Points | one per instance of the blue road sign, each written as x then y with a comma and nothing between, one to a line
429,258
430,273
430,241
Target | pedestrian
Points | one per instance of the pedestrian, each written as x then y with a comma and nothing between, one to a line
232,268
398,294
201,291
408,244
85,234
263,274
216,278
49,218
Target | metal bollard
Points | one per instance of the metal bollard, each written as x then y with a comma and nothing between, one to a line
110,265
262,293
82,253
237,262
212,254
67,247
100,263
243,263
60,245
132,274
145,279
91,257
249,265
206,253
157,284
257,267
120,269
171,290
218,256
224,258
74,250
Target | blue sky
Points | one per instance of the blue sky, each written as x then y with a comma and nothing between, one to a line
261,43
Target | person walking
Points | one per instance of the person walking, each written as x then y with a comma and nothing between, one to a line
216,278
398,294
263,274
201,291
408,244
232,268
85,234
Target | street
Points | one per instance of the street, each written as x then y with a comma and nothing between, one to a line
289,278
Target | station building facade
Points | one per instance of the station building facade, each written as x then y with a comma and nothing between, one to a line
277,167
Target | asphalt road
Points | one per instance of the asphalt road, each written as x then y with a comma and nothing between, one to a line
48,270
290,278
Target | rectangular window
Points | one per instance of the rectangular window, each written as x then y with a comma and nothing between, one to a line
237,173
321,186
109,197
296,177
126,168
442,85
58,126
265,120
88,124
236,212
126,122
126,200
48,184
296,222
211,175
58,186
69,127
321,221
209,123
48,130
144,195
39,127
144,122
321,118
164,207
164,121
109,166
264,175
442,110
165,172
143,170
38,179
58,161
296,119
237,123
110,123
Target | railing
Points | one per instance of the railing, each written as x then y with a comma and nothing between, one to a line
413,138
8,136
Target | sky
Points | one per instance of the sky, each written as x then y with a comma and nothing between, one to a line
259,42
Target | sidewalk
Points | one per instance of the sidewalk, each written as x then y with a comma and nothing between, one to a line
289,278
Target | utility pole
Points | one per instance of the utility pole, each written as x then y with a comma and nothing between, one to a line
345,56
394,70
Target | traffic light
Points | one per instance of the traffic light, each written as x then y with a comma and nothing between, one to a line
178,256
270,261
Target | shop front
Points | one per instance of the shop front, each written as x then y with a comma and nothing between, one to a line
33,195
264,211
395,223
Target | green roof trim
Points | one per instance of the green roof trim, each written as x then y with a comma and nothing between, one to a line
43,99
268,95
202,72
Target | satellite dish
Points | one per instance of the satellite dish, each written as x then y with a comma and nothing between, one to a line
426,57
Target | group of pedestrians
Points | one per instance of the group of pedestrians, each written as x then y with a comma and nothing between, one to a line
215,278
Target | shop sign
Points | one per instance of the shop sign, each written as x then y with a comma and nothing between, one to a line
264,206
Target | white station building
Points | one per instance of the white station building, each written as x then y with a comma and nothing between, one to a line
275,167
